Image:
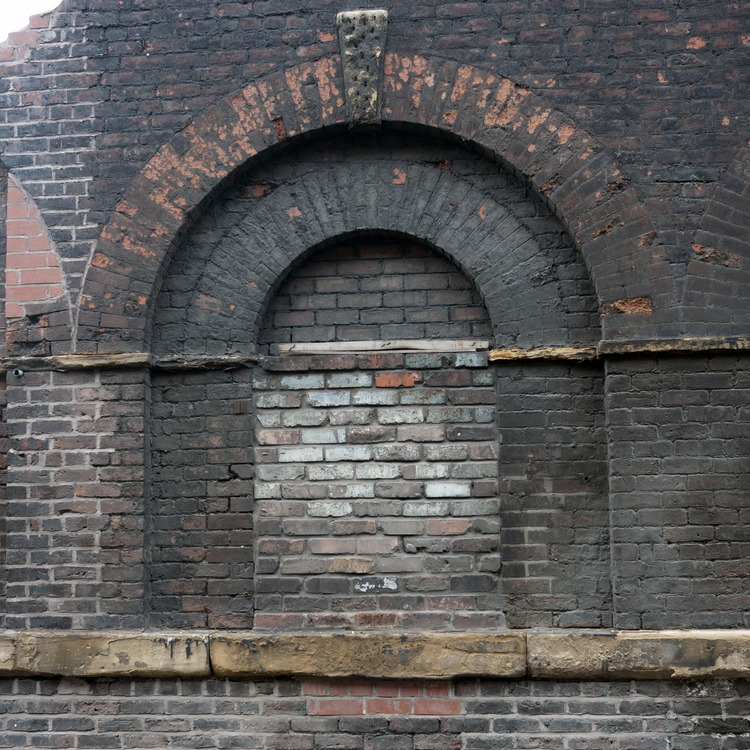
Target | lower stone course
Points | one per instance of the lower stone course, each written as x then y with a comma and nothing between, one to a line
364,715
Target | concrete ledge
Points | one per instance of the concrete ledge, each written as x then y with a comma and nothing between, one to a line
664,654
406,656
104,654
581,655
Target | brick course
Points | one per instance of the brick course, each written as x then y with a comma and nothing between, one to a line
362,715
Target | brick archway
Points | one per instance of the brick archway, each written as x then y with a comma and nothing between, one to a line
565,164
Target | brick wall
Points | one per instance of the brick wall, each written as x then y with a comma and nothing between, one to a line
376,291
377,493
200,517
75,499
554,509
364,190
679,483
362,715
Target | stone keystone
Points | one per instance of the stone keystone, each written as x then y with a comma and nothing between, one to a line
362,35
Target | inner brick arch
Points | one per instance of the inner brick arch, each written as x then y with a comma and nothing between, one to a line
528,273
565,164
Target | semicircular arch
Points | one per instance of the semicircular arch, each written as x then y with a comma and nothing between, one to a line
566,165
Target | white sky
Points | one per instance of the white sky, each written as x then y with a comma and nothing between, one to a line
14,14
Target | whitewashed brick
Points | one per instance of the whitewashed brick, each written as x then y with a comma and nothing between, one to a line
448,489
400,416
301,454
348,453
323,435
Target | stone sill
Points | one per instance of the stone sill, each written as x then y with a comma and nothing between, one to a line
587,655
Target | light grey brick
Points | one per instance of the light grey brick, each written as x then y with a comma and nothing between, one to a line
348,453
314,436
323,398
377,471
304,418
422,508
400,416
326,472
302,382
350,380
375,398
447,489
353,490
328,508
301,454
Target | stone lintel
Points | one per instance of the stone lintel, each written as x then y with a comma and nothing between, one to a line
663,654
104,654
370,655
580,655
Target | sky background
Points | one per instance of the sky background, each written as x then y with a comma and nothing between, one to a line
14,14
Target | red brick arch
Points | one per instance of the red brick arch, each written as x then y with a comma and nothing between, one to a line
565,164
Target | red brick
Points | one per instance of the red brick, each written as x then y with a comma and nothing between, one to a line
336,707
388,706
437,707
397,379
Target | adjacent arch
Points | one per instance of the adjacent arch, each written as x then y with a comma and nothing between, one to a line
564,163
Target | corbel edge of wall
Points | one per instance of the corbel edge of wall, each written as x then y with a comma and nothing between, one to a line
176,362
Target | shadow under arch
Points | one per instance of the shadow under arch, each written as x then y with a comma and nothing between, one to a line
565,164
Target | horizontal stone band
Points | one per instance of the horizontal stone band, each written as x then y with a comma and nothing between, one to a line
593,655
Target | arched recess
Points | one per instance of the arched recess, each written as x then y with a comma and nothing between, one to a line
531,278
576,176
718,274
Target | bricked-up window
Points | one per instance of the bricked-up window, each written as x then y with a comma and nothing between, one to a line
376,473
374,290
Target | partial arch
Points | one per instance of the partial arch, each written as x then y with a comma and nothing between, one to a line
578,178
718,274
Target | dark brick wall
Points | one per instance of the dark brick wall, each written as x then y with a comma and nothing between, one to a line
76,480
679,483
361,715
554,513
375,291
200,518
656,82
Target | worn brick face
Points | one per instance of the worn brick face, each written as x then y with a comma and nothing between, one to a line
360,464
